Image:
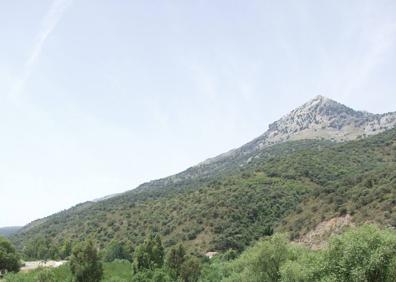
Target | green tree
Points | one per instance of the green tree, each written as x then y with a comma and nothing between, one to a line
66,249
366,253
149,255
160,275
190,270
85,264
175,258
41,248
9,259
115,250
262,262
182,267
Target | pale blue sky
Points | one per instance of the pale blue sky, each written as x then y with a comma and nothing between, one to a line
97,97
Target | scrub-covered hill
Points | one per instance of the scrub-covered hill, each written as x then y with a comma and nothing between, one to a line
9,230
291,186
270,183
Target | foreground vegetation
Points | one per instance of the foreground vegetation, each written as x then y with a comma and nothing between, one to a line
363,254
367,253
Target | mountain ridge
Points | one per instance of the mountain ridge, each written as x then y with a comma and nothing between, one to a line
319,118
303,117
9,230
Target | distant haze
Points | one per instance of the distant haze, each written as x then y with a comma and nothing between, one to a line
97,97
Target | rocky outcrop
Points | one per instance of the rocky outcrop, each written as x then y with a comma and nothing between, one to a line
320,118
324,118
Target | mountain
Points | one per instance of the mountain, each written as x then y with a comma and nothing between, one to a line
9,230
320,161
319,118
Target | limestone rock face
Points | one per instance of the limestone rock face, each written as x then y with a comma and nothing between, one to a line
324,118
319,118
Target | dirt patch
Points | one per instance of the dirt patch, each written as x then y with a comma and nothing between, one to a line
31,265
317,238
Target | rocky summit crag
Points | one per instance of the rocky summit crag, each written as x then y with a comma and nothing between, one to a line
324,118
319,118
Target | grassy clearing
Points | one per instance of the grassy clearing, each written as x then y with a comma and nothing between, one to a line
119,271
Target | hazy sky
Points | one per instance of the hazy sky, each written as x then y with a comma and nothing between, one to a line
97,97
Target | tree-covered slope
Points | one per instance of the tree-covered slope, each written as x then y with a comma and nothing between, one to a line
290,186
9,230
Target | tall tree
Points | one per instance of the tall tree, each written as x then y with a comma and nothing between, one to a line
85,264
9,259
115,250
66,249
190,270
149,255
175,259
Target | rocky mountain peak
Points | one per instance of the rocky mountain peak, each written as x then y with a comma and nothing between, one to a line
318,100
318,110
320,103
319,118
322,117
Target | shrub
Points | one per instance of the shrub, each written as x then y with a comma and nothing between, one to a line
46,275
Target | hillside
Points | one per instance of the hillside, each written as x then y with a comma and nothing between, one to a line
9,230
277,181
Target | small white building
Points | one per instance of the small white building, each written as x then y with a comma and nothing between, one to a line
211,254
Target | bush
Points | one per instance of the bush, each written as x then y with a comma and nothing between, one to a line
46,275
